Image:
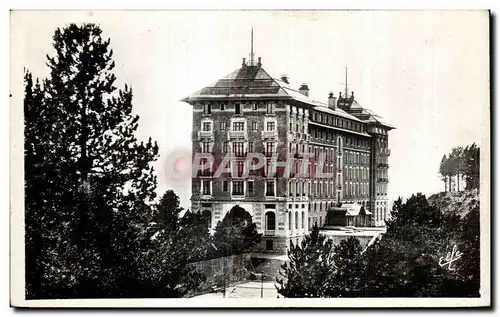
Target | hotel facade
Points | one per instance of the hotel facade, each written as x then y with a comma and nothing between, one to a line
250,112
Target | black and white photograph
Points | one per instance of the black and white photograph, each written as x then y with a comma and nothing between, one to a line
277,158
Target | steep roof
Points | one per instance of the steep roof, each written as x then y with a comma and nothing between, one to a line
367,114
355,209
253,82
248,81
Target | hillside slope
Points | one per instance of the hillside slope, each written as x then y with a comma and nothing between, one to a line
455,202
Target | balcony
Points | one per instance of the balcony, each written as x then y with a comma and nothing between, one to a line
270,233
270,134
236,135
385,165
238,196
206,196
382,180
205,135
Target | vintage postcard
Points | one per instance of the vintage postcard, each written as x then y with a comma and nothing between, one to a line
250,158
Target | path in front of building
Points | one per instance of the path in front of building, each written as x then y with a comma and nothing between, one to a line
245,290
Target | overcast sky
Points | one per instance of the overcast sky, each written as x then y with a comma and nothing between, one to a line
427,73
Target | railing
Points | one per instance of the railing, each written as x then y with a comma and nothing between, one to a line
237,135
205,135
269,134
206,196
269,232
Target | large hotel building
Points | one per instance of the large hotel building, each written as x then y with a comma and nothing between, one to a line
249,111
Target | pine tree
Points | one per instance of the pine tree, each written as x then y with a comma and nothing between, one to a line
471,167
348,276
405,262
169,209
171,246
99,177
236,233
458,166
310,266
442,170
195,226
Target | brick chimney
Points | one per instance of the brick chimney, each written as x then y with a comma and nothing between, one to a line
304,89
332,101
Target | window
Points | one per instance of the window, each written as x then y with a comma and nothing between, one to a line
269,148
270,126
250,186
237,188
237,109
222,107
255,107
303,221
239,168
205,147
270,221
270,188
296,220
238,148
238,126
270,108
207,126
254,126
250,147
223,126
207,170
224,147
207,109
225,186
206,187
269,245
